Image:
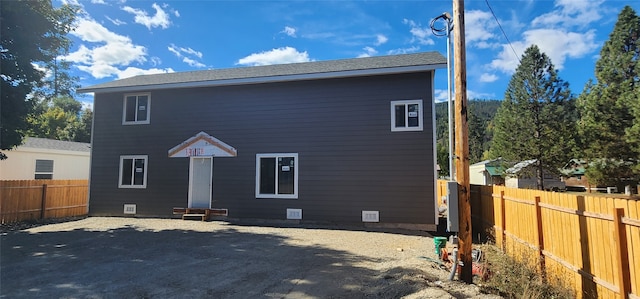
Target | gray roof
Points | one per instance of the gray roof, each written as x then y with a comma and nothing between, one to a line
520,166
35,142
279,72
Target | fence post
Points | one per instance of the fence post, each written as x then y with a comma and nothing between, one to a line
43,206
503,226
620,240
540,244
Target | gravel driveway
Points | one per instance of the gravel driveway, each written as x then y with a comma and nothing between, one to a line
167,258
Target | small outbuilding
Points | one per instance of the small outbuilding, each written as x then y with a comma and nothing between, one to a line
46,159
487,172
522,175
329,141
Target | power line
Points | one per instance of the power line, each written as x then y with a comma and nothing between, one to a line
503,33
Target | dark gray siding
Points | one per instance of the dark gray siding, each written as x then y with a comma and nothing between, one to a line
349,160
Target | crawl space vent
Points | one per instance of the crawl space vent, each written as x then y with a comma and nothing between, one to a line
129,209
370,216
295,214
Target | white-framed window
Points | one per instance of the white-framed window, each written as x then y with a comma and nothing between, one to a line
407,115
136,109
277,175
44,170
133,171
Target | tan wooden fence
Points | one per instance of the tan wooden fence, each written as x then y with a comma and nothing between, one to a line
589,241
42,199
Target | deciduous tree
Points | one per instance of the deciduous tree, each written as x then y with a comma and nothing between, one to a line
31,32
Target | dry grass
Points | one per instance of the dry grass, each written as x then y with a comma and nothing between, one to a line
519,277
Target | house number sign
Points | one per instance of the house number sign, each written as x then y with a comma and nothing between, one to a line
194,151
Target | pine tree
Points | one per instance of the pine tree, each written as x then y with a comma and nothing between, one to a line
536,119
608,127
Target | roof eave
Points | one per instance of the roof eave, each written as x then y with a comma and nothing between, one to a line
266,79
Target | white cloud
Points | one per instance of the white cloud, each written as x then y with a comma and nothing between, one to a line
181,52
479,26
173,49
116,22
89,30
160,19
98,2
103,52
290,31
72,2
571,13
381,39
134,71
192,52
178,51
474,95
441,95
419,35
488,78
192,62
155,60
368,52
404,50
101,70
556,43
275,56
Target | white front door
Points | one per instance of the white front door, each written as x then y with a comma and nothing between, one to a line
200,174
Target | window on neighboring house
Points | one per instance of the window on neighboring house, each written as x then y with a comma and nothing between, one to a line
406,115
136,109
277,176
44,170
133,172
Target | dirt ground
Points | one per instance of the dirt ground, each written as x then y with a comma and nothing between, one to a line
168,258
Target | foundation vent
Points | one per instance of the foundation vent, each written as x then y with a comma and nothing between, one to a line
295,214
370,216
129,209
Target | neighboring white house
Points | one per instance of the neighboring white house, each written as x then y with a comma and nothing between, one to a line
40,158
522,176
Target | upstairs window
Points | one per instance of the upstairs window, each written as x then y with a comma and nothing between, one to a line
136,109
277,176
133,172
406,115
44,170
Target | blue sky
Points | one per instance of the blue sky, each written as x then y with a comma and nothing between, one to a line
119,39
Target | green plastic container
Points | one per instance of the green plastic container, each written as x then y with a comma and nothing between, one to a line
439,242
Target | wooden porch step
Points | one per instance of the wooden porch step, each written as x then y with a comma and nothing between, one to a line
203,217
200,212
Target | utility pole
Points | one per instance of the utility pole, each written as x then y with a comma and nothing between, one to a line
462,142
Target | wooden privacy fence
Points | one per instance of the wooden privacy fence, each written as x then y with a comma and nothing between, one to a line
590,242
42,199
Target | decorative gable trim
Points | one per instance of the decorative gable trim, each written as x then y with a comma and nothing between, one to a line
202,144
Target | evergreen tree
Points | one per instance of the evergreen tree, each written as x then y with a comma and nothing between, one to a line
536,119
609,128
31,32
481,112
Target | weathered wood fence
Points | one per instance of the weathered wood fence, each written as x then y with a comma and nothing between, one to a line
591,242
42,199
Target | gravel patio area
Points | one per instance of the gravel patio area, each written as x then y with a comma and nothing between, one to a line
101,257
